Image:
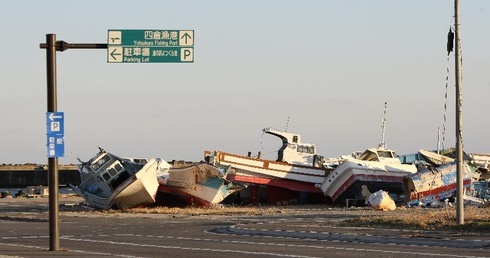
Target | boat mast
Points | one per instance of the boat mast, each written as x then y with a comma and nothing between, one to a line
438,140
382,144
459,144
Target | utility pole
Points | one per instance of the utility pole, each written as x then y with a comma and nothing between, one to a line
459,134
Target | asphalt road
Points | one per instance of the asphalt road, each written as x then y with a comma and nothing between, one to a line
25,233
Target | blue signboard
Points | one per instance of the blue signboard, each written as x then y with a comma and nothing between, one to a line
55,145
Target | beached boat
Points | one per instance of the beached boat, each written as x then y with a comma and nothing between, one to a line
481,160
267,172
377,168
110,181
294,177
197,185
434,158
436,182
297,167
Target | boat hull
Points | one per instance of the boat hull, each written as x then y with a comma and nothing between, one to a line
276,182
199,185
346,180
142,189
267,172
436,183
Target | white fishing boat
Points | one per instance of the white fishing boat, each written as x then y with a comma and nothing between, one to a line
434,158
376,168
110,181
297,167
436,182
481,160
198,185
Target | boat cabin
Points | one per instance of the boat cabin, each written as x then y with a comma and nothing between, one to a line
380,154
109,170
293,151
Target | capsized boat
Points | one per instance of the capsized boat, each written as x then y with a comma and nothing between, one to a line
298,167
377,168
200,184
482,162
434,158
436,182
110,181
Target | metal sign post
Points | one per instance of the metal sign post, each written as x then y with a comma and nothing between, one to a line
54,232
161,46
55,132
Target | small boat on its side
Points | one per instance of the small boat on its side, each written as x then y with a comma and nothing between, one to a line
110,181
377,169
434,158
436,182
201,184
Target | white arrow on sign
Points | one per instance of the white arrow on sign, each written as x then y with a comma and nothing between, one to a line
52,117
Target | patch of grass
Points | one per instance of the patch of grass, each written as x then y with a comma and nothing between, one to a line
202,211
225,210
476,219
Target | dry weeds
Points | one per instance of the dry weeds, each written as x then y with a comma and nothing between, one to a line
475,219
224,211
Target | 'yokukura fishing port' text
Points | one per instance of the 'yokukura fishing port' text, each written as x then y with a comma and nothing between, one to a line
164,43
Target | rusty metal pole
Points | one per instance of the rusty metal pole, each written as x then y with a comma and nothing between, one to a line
51,47
54,242
459,131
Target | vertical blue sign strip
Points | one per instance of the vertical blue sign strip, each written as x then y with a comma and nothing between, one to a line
55,146
55,132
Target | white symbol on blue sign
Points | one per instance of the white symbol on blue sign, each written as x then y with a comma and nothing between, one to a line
55,126
55,134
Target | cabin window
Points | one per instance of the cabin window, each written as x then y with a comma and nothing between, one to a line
385,154
106,176
369,156
295,138
118,167
99,163
140,161
112,171
306,149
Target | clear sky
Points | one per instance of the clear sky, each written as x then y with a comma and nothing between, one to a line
322,69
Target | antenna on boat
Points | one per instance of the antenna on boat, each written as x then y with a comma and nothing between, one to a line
287,124
438,140
382,144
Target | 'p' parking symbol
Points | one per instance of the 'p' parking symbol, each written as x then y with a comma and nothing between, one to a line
187,54
55,127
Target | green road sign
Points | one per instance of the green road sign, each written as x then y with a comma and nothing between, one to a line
150,46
